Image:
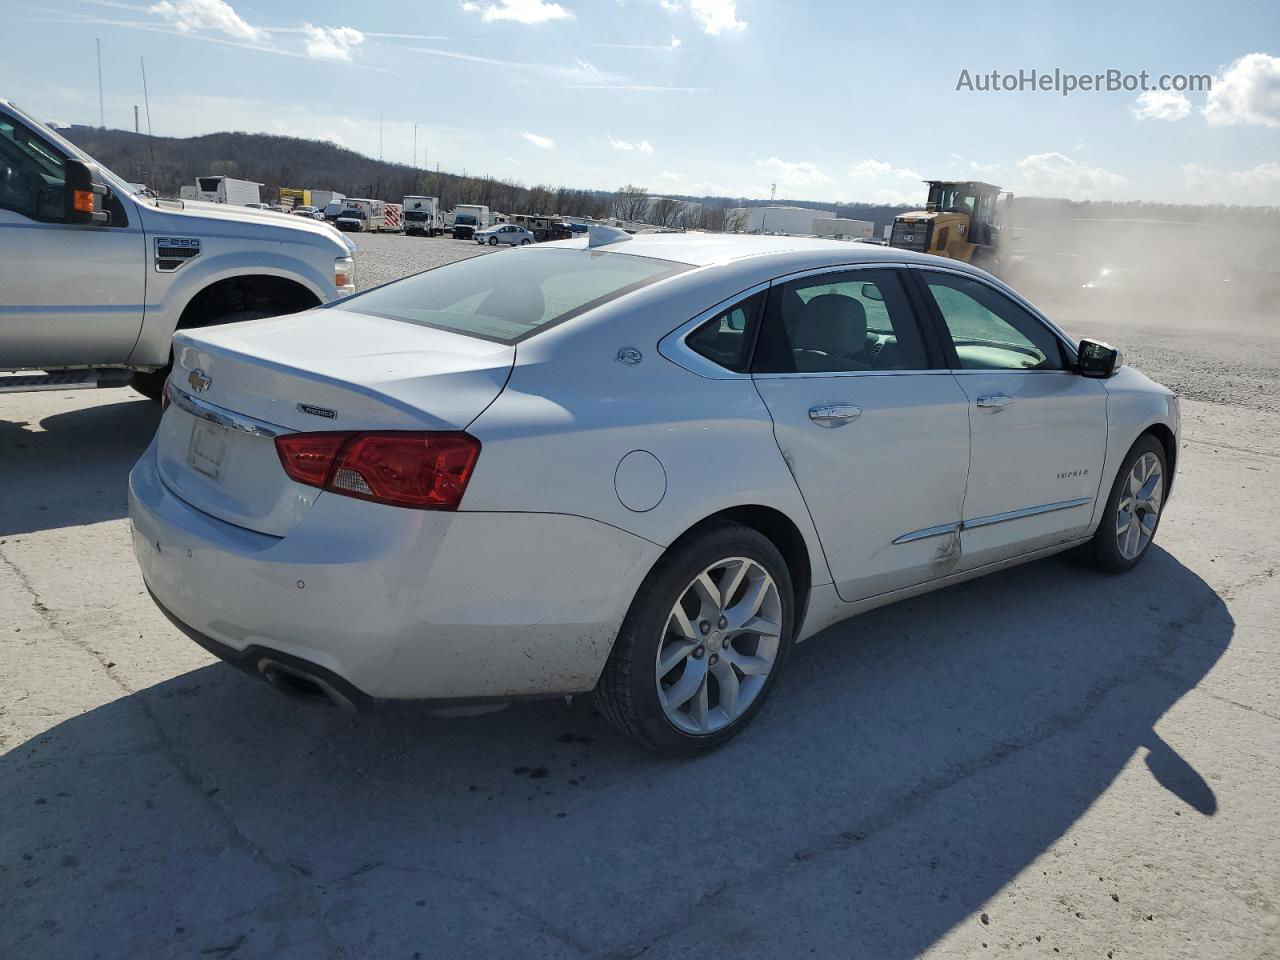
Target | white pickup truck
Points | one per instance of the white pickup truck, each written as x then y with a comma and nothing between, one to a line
95,277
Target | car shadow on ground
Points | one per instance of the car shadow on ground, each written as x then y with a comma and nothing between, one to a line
71,468
913,761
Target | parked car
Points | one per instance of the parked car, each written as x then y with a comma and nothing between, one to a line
736,440
307,211
96,277
505,233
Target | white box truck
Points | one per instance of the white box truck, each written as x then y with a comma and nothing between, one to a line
362,215
97,277
322,198
422,216
228,190
467,219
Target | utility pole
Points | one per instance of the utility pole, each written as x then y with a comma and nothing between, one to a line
379,137
135,118
773,192
151,142
102,115
414,161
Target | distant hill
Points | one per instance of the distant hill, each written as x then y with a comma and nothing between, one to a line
277,161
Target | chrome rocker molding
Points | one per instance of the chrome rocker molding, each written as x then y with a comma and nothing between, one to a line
224,418
946,528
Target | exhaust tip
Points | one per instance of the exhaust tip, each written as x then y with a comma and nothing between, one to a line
297,683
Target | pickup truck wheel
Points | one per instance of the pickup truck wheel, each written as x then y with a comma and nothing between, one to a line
151,383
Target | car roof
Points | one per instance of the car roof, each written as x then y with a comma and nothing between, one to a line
707,249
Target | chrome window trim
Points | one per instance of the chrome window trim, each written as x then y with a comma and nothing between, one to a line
1000,287
675,349
224,418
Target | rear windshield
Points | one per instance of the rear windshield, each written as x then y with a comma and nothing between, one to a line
511,295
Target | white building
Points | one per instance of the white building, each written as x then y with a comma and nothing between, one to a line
842,228
777,219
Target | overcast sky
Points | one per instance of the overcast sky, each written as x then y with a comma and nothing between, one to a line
828,100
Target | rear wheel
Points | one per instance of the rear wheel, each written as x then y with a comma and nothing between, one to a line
524,242
1132,514
703,643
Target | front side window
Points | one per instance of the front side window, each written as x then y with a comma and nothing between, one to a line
725,339
32,176
990,331
511,296
858,320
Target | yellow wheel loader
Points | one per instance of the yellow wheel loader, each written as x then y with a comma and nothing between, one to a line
958,221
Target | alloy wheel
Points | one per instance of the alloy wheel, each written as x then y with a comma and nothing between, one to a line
1139,508
719,645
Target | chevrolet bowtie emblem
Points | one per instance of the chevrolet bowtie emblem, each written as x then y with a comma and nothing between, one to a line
199,381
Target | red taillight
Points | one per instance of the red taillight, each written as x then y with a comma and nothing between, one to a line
407,469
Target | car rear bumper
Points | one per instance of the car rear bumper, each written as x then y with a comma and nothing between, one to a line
384,603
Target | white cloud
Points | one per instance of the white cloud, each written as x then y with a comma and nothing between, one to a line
1161,105
796,172
1248,92
1058,174
1258,185
639,146
331,43
675,42
1263,177
581,73
543,143
716,16
521,11
193,16
984,169
879,168
869,168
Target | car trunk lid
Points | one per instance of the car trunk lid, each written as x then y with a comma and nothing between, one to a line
240,385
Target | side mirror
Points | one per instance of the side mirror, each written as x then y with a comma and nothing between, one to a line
85,193
1098,360
871,292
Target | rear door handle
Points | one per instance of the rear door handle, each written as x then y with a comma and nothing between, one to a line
995,402
834,414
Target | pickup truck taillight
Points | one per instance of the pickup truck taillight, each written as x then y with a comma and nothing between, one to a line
427,471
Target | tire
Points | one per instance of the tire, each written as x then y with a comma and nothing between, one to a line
631,693
524,242
151,385
493,241
1112,550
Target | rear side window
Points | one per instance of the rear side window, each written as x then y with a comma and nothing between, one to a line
726,338
860,320
510,296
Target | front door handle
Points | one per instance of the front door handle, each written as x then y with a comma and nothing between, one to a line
834,414
995,402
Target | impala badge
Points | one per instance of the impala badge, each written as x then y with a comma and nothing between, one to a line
199,381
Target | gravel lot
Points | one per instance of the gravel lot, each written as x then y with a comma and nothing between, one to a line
385,257
1045,762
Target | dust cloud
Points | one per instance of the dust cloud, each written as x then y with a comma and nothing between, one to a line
1219,273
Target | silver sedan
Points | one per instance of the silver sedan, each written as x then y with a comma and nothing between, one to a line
507,233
